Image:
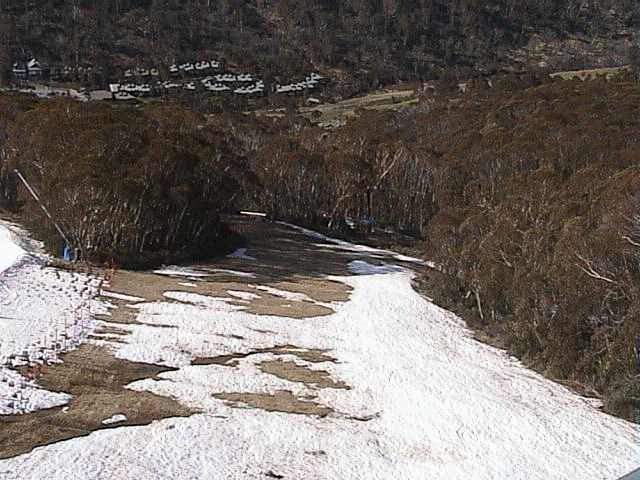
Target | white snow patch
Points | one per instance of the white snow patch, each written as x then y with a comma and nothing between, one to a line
243,295
204,301
10,252
195,274
118,418
241,254
43,312
175,271
121,296
355,248
232,272
293,296
360,267
19,395
253,214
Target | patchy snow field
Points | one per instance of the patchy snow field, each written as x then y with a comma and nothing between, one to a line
43,312
424,400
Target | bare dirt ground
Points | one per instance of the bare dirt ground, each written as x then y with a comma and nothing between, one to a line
297,373
284,280
312,356
283,401
96,380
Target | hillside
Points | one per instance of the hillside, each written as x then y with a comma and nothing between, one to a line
319,239
361,44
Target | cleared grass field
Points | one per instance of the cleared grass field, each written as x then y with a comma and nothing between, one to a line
335,113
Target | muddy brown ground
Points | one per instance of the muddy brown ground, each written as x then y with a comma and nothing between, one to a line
230,360
282,401
96,380
293,372
285,260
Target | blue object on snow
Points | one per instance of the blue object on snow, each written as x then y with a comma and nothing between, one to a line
66,253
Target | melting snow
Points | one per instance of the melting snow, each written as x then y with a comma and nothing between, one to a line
118,418
426,401
293,296
175,271
120,296
352,247
10,252
197,274
43,312
360,267
241,253
232,272
243,295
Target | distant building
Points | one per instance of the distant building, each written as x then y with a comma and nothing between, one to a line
34,69
31,70
19,71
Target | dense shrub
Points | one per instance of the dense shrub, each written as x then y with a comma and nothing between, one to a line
124,183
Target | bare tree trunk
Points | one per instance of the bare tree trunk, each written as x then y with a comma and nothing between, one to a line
479,303
635,39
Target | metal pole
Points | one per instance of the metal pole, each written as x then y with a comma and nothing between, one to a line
44,209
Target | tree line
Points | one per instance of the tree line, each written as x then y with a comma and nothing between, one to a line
368,42
126,185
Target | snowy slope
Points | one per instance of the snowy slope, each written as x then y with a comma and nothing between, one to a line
10,253
427,401
362,249
43,312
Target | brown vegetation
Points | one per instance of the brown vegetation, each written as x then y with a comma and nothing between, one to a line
134,186
368,43
529,200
